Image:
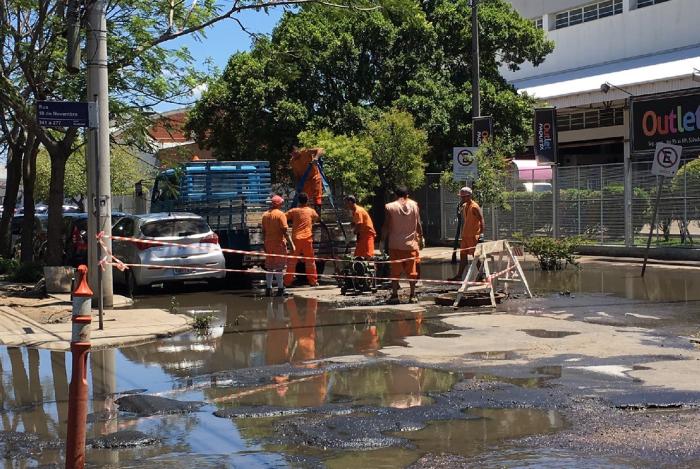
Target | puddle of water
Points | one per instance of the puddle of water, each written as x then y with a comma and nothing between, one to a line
544,334
249,332
386,385
621,281
461,437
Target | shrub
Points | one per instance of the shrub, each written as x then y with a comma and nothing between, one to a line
552,254
7,265
27,272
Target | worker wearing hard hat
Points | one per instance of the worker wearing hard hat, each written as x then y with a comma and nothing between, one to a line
472,228
275,233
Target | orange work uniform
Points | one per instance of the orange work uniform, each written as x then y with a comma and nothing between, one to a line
302,219
313,185
274,225
364,247
404,217
471,228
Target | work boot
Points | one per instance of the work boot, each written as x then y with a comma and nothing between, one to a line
280,292
268,292
393,300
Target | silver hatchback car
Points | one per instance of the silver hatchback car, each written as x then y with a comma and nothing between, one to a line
197,246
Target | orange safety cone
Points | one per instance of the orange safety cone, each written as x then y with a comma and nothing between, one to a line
78,391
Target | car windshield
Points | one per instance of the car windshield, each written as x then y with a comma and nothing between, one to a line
171,228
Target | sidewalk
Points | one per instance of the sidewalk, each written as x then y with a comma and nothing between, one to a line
121,326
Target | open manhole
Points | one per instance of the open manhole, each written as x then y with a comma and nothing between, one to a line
469,299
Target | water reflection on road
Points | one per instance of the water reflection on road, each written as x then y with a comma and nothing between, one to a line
250,331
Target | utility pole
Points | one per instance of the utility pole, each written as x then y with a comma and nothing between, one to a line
100,200
476,95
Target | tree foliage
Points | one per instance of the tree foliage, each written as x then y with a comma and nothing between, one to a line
126,170
347,161
398,150
142,71
339,70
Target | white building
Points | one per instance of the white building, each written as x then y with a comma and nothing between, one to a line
638,47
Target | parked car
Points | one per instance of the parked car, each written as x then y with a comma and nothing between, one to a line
39,243
198,246
75,230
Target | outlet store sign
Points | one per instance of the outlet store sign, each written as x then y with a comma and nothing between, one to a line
673,119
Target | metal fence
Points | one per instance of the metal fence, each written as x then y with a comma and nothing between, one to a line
590,205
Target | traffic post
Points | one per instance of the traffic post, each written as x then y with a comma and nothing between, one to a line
667,158
78,390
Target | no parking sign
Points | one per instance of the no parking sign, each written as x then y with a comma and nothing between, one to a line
464,165
667,158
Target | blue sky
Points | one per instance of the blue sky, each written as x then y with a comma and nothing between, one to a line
225,38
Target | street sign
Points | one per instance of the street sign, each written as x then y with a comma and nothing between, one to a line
667,157
482,130
545,146
66,114
464,164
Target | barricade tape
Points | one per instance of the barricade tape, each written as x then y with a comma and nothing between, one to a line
487,281
110,259
263,254
256,272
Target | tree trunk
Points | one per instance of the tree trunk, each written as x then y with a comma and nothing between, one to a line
14,175
54,251
29,178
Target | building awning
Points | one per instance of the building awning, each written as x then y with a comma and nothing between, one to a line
669,71
529,171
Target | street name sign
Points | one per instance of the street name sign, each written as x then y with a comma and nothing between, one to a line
66,114
464,165
667,158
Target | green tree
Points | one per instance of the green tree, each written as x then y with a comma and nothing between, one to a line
338,70
348,161
398,150
126,171
143,72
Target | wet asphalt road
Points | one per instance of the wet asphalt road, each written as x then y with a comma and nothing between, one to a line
256,389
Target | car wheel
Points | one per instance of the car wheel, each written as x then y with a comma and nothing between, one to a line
132,288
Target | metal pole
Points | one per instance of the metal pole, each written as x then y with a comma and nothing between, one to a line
476,94
78,390
602,235
653,223
555,200
97,82
98,224
628,180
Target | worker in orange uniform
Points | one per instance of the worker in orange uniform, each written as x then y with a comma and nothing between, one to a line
299,162
472,228
302,219
276,239
404,233
364,228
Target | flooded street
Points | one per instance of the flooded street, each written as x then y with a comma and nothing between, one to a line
297,382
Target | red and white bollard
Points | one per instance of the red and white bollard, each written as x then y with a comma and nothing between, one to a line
78,391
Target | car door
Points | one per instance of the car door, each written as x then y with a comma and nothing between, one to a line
121,248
